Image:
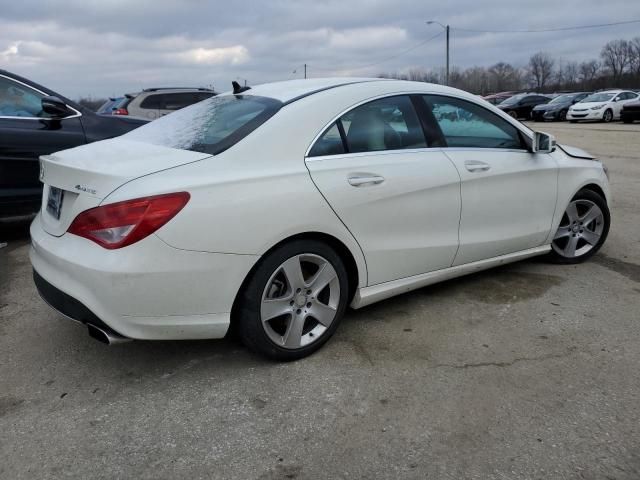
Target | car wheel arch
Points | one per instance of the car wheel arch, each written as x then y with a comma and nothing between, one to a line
353,272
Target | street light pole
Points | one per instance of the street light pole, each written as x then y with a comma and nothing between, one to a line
446,29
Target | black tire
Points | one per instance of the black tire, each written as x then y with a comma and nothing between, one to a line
247,319
513,114
562,116
607,116
592,196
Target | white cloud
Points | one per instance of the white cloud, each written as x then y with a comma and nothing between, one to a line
235,55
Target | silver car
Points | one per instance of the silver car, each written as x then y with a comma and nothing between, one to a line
153,103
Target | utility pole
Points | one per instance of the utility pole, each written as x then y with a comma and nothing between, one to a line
305,70
447,80
446,29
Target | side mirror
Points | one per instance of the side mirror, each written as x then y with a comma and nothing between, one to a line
55,107
543,143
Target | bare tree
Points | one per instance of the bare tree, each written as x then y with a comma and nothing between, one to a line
540,69
504,77
588,72
616,56
634,52
571,74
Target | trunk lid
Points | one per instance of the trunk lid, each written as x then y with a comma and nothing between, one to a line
85,175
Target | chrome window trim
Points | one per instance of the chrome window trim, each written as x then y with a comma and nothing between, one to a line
10,117
518,126
339,156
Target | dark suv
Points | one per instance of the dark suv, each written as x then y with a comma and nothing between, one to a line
520,106
37,121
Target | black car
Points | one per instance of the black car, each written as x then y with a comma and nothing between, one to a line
557,108
521,105
36,121
630,112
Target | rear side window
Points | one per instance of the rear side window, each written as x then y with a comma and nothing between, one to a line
330,143
465,124
176,101
210,126
386,124
152,102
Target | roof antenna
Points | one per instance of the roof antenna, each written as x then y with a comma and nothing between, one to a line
238,89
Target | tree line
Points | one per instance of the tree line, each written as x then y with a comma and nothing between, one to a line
618,66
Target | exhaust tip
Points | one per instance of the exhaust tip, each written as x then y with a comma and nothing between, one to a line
105,336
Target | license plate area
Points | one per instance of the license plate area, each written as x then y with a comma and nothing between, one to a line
54,202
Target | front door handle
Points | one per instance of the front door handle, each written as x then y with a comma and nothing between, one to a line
362,181
476,166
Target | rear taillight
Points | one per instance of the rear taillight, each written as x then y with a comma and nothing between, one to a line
120,224
119,111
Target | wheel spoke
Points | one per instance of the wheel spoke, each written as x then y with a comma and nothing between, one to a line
324,314
272,308
293,336
570,248
322,278
590,237
593,213
562,232
572,212
293,271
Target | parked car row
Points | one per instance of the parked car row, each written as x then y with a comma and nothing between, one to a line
37,121
605,106
152,103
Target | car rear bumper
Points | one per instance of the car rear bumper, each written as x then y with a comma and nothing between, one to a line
148,290
630,115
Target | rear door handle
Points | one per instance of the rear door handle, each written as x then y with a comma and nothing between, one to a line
476,166
362,181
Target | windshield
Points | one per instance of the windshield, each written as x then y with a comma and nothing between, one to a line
210,126
563,98
599,97
514,99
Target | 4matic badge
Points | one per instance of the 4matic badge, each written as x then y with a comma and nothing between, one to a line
82,188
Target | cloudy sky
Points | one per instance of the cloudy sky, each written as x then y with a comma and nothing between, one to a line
108,47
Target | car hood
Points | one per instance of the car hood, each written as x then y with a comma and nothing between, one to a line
583,105
576,152
89,173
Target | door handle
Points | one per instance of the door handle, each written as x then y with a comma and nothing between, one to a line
363,181
476,166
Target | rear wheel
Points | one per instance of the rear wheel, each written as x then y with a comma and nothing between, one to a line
608,116
294,300
583,228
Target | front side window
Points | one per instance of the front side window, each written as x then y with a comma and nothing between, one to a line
465,124
210,126
17,100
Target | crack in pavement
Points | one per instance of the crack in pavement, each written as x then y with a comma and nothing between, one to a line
505,364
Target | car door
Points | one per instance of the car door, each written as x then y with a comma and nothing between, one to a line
398,197
623,98
26,132
508,193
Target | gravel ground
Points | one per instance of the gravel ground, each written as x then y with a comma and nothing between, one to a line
527,371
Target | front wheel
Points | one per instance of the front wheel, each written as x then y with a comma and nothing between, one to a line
294,300
607,117
583,229
562,116
513,114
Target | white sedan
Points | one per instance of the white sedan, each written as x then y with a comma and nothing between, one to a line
602,106
271,210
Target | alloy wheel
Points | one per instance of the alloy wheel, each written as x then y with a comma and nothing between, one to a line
608,116
300,301
580,230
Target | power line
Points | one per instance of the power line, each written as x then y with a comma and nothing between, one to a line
404,52
560,29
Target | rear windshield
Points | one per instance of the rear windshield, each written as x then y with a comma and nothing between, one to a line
210,126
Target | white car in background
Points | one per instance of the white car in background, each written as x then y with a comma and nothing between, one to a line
602,106
270,210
